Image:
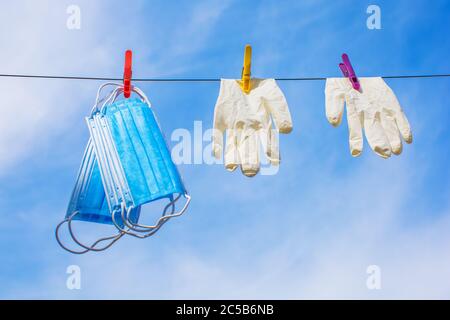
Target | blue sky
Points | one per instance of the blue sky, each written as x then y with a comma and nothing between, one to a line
308,232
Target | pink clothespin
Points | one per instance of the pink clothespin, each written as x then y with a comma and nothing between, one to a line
347,70
127,74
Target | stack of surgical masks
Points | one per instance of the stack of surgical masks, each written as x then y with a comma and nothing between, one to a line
126,164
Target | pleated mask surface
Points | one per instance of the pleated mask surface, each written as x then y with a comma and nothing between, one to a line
135,163
88,201
138,157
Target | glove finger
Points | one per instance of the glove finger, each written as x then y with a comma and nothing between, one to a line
269,140
334,101
221,118
217,143
394,108
375,135
404,127
392,133
249,153
231,157
354,130
276,103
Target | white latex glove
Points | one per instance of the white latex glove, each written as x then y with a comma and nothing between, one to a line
374,108
247,121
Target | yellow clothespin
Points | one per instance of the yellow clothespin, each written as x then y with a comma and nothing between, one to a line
245,83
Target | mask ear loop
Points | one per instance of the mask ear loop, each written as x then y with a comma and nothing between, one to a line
111,98
143,228
149,232
97,98
132,226
163,219
116,93
112,239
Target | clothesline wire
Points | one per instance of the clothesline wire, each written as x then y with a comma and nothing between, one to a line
200,79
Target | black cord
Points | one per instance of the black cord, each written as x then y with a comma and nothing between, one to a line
197,79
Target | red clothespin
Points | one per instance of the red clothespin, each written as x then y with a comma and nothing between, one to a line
127,74
347,70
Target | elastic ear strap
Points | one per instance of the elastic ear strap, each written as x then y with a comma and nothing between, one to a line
141,94
111,98
164,218
97,98
145,228
146,231
115,93
112,239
